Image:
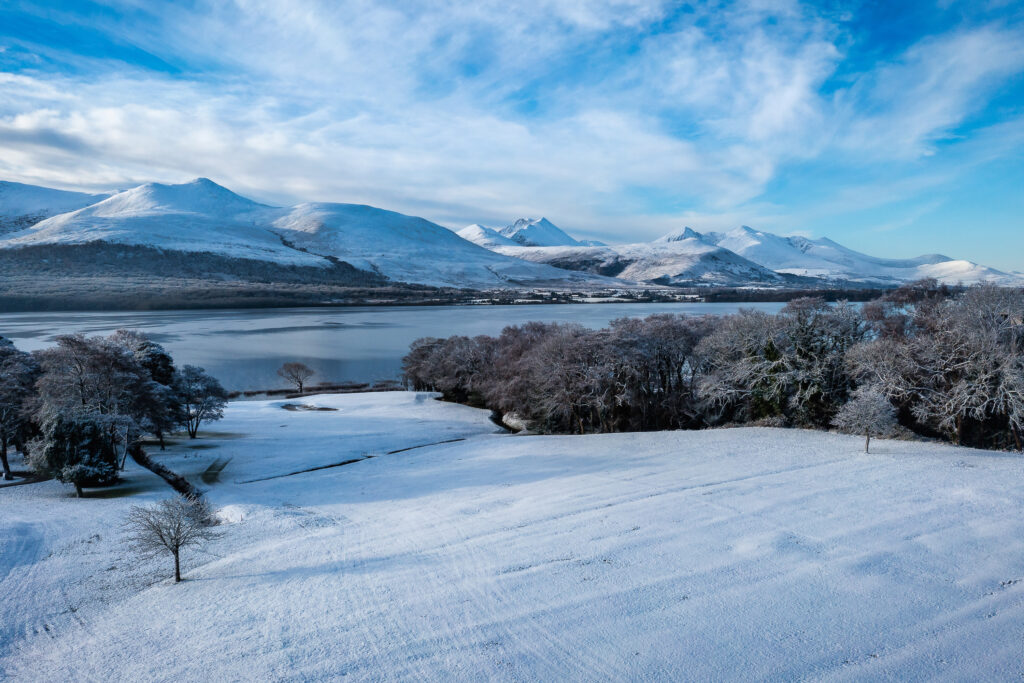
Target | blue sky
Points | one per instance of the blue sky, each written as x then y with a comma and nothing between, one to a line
894,128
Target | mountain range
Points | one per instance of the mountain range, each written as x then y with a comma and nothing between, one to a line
202,217
204,233
739,257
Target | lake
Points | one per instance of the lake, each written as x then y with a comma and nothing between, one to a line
244,347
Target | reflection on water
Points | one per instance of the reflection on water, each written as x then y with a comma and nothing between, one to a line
245,347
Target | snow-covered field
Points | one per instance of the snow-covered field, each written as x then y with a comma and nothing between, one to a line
726,554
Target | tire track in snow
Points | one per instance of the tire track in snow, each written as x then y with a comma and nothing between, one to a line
484,617
22,547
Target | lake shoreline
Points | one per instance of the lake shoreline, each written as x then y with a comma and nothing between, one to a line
256,301
244,348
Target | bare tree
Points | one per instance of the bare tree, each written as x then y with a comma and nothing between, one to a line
296,373
868,412
168,527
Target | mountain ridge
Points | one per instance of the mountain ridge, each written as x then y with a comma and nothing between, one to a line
203,217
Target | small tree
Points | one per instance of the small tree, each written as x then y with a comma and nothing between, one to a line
169,526
202,397
868,412
296,373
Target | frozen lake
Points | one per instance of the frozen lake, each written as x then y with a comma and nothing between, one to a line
244,347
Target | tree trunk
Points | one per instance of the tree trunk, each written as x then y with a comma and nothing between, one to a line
1016,438
3,459
160,435
176,481
78,490
177,567
867,442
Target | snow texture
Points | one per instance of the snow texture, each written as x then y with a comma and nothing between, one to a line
705,555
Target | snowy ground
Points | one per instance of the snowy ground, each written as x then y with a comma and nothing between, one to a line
727,554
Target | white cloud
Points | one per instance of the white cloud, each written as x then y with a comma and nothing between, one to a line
491,110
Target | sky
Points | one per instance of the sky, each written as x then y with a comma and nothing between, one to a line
895,128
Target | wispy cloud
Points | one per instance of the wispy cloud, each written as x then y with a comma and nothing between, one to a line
615,116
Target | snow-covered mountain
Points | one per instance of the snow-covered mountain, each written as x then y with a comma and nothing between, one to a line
538,232
203,217
742,256
824,258
672,260
483,236
24,205
199,216
362,245
406,248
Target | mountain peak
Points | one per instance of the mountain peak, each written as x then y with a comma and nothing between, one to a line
685,233
537,232
485,237
201,195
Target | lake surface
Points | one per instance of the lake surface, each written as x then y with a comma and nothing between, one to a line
244,347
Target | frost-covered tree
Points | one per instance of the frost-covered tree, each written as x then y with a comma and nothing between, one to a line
868,412
74,447
90,390
957,369
160,405
416,364
18,372
169,527
100,379
296,374
654,370
202,397
571,391
157,362
789,365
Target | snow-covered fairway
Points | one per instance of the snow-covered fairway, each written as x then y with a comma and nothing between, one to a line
726,554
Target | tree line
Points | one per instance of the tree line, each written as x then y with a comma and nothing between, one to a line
79,409
943,362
